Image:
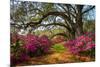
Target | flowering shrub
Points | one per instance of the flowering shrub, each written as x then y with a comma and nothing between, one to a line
17,58
32,44
37,45
18,54
58,48
82,43
16,37
31,41
45,43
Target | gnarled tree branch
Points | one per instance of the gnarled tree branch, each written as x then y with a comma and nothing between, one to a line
48,14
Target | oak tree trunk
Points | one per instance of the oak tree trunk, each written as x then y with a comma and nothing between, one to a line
79,23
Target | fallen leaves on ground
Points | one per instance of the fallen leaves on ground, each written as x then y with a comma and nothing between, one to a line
65,57
53,58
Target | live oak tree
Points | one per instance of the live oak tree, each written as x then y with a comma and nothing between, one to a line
48,14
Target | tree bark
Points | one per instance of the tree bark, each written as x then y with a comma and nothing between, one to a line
79,23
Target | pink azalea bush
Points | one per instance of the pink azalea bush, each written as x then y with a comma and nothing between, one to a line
14,37
18,54
31,43
37,45
18,57
23,47
82,43
45,43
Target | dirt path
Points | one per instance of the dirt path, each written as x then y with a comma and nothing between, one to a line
65,57
55,58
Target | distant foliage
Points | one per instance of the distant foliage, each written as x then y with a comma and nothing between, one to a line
89,26
58,39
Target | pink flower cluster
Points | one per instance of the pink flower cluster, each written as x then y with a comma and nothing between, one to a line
32,46
18,58
32,43
82,43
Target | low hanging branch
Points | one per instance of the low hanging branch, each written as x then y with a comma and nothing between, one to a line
48,14
61,34
62,14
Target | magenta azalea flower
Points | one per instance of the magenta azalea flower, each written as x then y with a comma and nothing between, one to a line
81,43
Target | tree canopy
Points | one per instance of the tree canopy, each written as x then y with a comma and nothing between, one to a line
37,15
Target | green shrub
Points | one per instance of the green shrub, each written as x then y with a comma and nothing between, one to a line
58,48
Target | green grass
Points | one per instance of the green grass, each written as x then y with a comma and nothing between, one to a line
58,48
